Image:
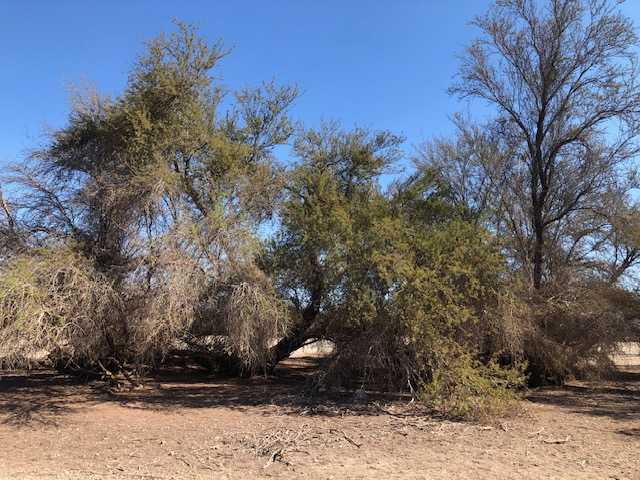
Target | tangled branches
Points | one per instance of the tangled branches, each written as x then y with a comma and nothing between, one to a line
52,302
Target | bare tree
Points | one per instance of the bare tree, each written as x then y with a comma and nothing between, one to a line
475,167
563,77
10,236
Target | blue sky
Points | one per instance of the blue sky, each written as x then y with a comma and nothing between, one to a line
373,63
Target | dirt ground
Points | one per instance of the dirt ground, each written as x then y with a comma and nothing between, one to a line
52,427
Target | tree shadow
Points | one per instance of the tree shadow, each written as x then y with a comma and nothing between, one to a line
38,398
619,400
43,398
290,390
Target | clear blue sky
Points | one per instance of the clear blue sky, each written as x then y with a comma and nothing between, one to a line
374,63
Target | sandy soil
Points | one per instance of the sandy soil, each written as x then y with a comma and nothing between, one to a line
52,427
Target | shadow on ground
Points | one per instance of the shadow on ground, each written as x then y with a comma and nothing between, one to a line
44,397
40,398
618,399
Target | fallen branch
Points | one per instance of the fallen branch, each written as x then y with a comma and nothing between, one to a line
123,369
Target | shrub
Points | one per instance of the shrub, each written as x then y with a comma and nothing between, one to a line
467,389
573,330
52,301
418,314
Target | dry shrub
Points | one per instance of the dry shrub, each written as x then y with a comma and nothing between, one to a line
253,318
240,319
450,379
376,359
54,304
52,301
573,331
564,331
168,306
508,326
225,312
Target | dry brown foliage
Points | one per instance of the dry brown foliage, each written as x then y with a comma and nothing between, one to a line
53,302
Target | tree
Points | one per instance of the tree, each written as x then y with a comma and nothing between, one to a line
162,194
562,75
404,287
331,192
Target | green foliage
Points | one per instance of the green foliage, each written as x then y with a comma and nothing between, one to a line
397,280
163,194
471,390
327,197
428,297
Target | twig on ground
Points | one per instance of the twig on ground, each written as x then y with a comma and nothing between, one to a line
346,437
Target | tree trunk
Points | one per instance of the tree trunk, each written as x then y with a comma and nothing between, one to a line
298,335
538,199
538,258
286,346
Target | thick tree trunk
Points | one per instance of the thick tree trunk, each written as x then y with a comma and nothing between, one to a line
538,199
538,194
286,346
298,335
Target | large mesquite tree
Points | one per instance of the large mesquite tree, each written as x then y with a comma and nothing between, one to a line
326,193
163,193
404,287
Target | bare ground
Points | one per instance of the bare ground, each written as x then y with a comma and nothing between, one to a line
52,427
